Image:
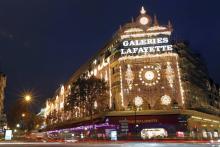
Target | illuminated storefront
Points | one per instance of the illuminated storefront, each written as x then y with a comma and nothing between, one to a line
155,86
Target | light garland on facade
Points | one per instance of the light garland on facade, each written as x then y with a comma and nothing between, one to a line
69,89
156,56
156,28
148,56
121,84
149,75
106,76
110,87
95,61
59,100
149,34
138,101
61,105
95,72
95,104
61,97
180,81
77,111
205,119
170,74
104,64
57,103
133,30
62,90
129,76
52,107
99,67
47,108
122,93
165,100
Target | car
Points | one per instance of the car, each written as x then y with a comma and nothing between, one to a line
153,132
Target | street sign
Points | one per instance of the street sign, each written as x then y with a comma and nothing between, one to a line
8,134
114,135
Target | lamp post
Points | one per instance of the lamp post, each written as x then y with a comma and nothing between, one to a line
23,115
26,116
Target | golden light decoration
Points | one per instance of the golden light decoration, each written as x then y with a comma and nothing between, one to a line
144,20
165,100
129,76
95,104
138,101
121,85
170,75
149,75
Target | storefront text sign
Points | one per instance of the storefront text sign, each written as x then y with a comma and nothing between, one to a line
146,46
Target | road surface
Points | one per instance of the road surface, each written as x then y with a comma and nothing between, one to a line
105,145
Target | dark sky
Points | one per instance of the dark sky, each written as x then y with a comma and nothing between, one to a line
42,42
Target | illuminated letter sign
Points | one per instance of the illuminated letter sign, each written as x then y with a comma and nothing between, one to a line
146,46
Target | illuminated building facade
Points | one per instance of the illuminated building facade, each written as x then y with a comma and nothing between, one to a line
162,81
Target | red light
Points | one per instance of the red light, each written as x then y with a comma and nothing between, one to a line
180,134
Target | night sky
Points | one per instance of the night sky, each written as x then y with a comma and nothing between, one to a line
42,42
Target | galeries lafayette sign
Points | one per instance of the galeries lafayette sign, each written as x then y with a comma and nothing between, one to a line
146,46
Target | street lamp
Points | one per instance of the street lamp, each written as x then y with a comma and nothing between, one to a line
18,125
23,114
27,98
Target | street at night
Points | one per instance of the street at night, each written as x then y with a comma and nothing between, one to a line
113,73
108,145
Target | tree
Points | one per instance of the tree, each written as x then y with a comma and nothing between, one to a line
38,122
85,93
